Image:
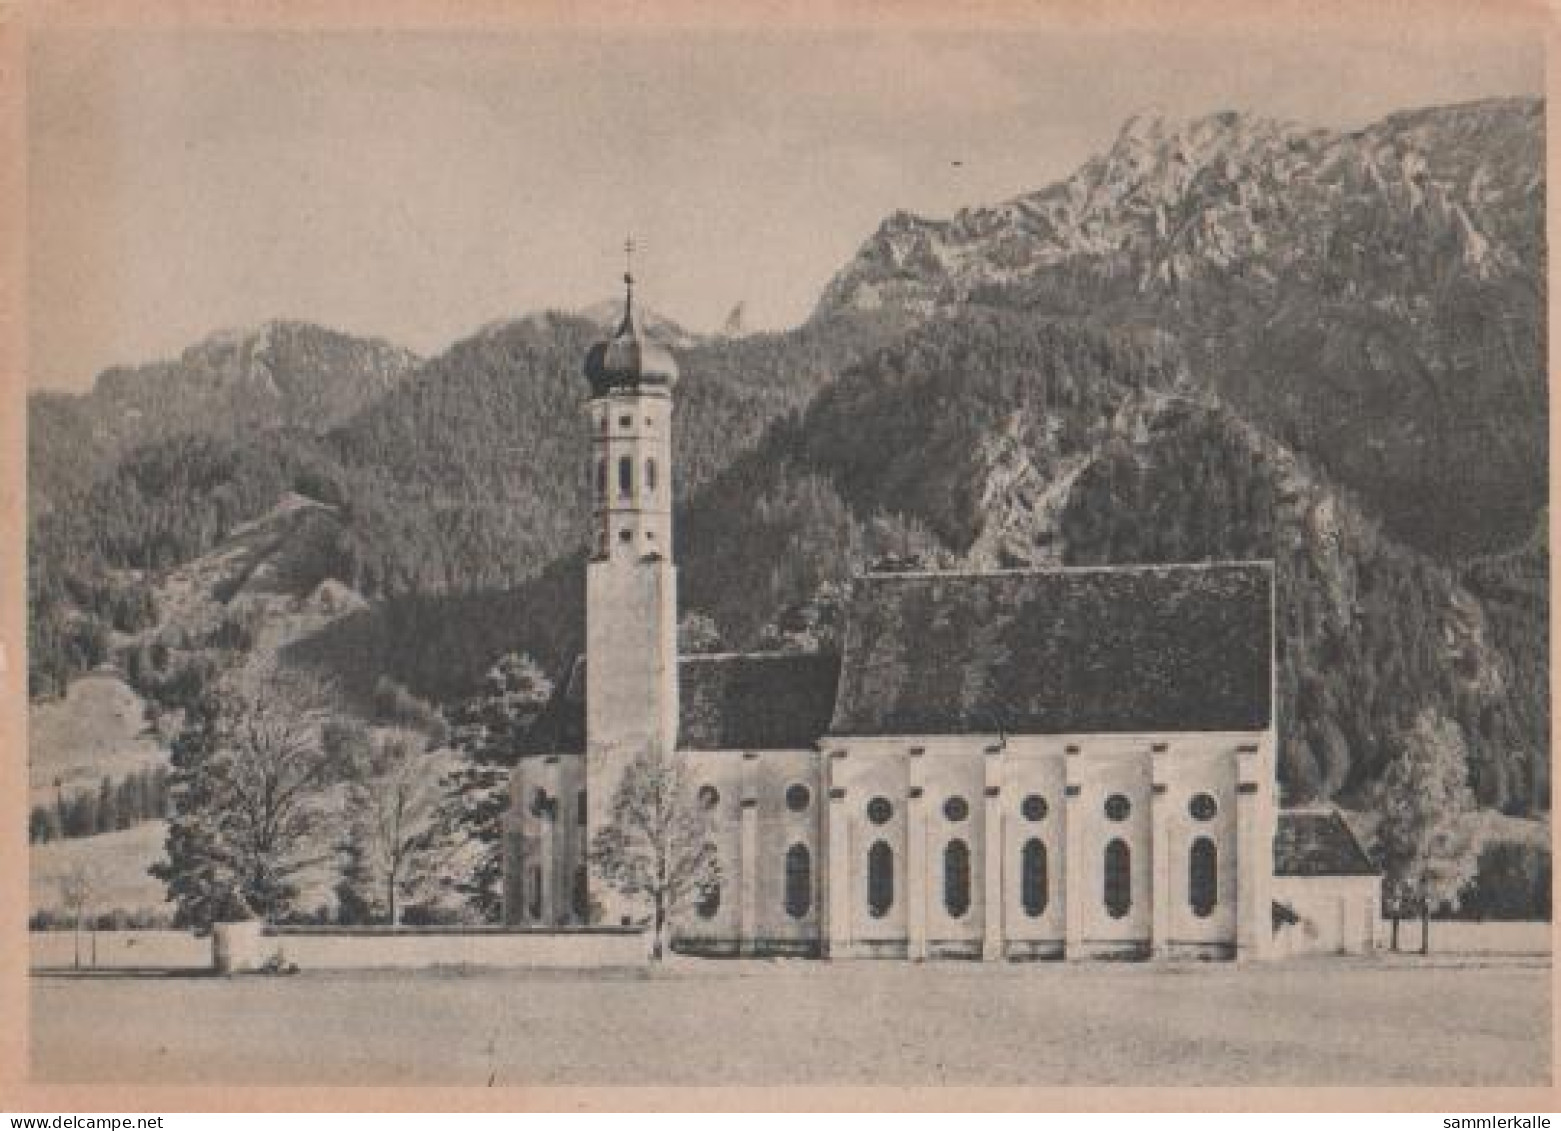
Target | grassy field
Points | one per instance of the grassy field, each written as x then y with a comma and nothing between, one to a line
98,729
117,862
1324,1022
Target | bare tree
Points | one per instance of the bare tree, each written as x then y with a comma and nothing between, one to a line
657,847
78,891
394,799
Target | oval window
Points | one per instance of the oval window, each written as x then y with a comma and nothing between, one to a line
1033,807
1202,807
880,879
1118,877
1203,881
879,810
1118,807
1032,877
799,881
956,879
956,809
797,797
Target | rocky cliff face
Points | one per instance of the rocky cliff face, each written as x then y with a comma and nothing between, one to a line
1172,201
1374,298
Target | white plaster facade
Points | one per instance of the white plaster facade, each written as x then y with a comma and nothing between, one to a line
985,798
1038,842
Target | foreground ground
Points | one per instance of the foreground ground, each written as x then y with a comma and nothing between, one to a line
1322,1022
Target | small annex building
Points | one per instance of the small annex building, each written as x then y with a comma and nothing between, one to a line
1039,763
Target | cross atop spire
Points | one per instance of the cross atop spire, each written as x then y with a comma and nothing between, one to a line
628,280
629,359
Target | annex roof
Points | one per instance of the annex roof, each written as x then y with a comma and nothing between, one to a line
1319,843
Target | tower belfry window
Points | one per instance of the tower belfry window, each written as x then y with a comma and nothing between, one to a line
625,475
650,475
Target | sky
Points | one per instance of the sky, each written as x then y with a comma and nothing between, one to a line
416,186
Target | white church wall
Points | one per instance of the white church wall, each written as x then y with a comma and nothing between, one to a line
1099,772
780,777
953,782
867,774
716,777
1034,769
1195,798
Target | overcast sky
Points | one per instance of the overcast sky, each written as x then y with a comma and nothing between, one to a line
417,186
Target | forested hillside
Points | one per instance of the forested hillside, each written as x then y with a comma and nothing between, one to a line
1226,339
994,438
465,477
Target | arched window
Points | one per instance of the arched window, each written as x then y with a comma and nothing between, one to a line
625,475
582,894
534,907
1203,877
956,878
1119,878
799,881
650,475
1032,877
880,879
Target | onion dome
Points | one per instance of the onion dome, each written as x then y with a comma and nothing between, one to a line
629,360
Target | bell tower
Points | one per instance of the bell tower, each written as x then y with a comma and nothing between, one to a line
631,582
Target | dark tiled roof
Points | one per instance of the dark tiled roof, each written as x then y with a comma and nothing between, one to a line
768,701
757,701
1318,844
1162,648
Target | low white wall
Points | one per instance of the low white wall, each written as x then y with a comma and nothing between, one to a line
1457,936
1338,914
420,949
163,950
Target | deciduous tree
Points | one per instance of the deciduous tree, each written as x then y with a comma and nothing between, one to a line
1423,842
250,775
656,848
393,800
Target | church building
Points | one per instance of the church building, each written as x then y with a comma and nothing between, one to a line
1020,764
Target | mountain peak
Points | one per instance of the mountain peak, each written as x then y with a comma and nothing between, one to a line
1171,201
609,312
